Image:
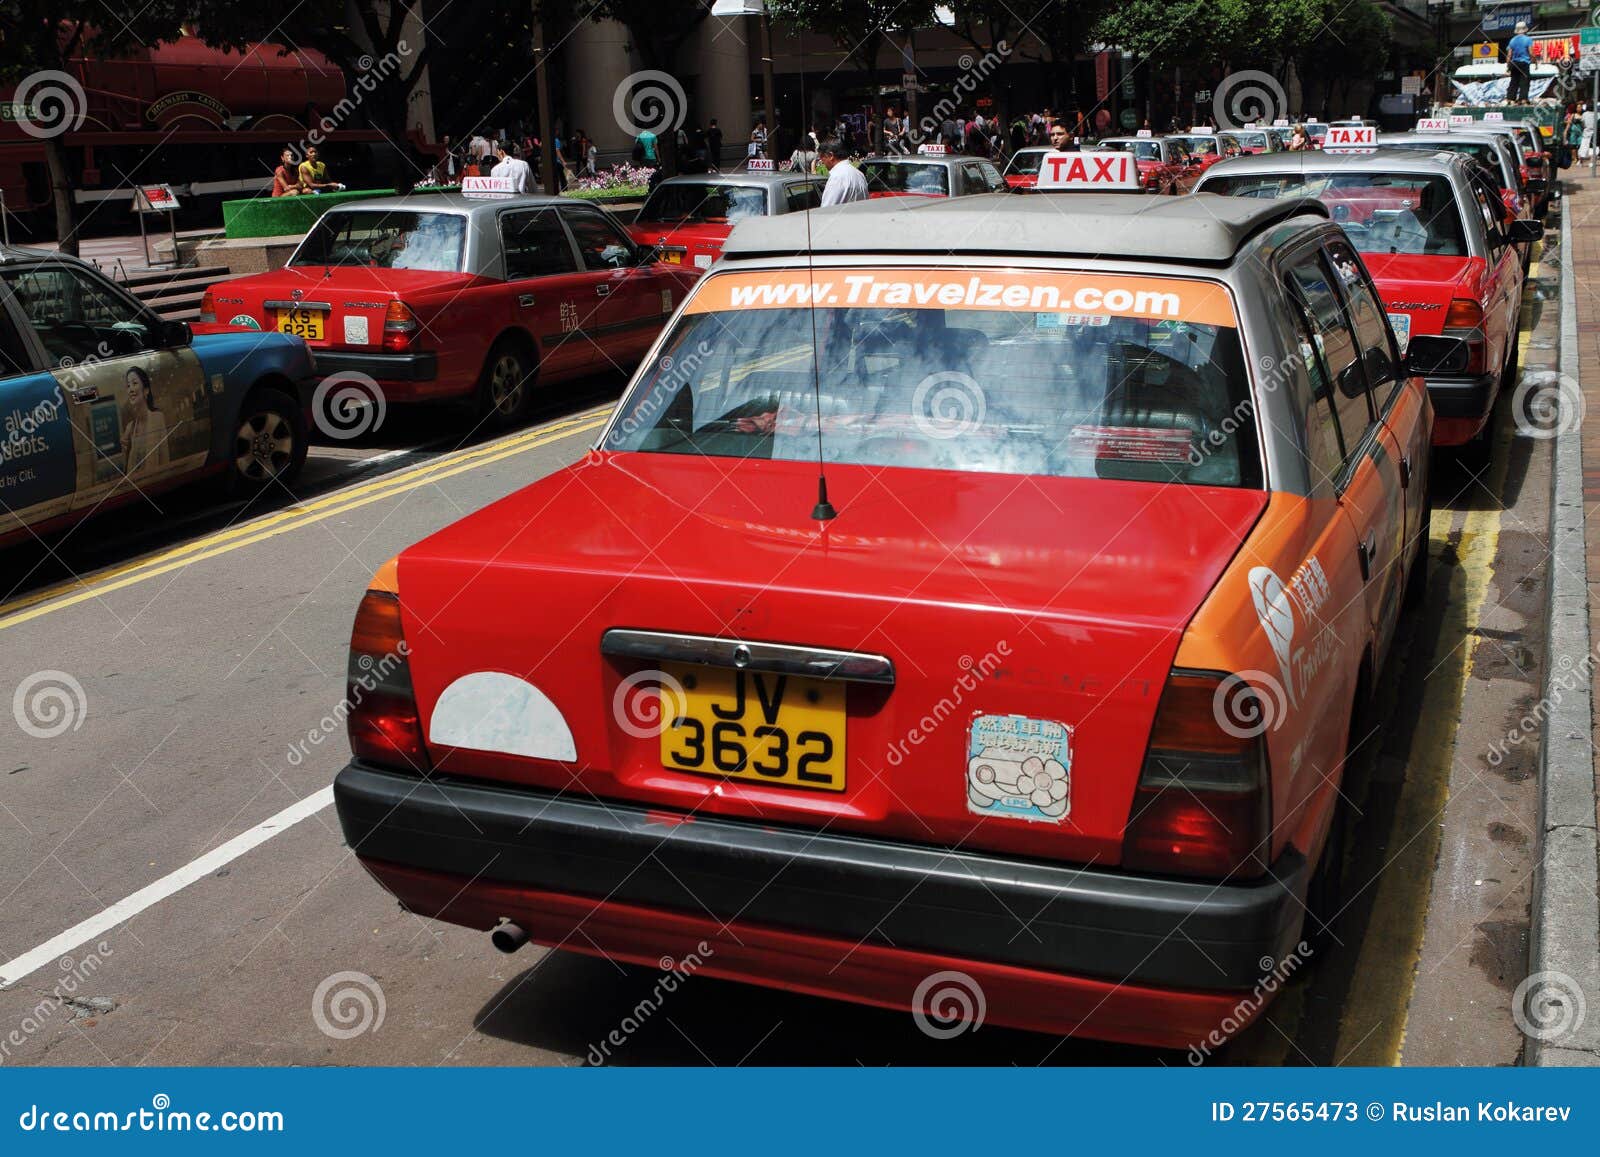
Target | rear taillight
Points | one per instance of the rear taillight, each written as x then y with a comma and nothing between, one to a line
1464,320
208,306
383,723
1202,807
400,326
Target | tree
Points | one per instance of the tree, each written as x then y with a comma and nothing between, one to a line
860,27
1352,43
1057,33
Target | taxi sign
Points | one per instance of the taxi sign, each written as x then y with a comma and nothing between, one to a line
931,150
759,165
1433,125
488,187
1142,133
1494,116
1342,138
1281,123
1202,131
1460,118
1088,172
1251,125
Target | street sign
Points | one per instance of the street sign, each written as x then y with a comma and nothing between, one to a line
155,199
1589,40
1488,50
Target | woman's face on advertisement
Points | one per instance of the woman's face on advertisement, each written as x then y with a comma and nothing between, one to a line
138,393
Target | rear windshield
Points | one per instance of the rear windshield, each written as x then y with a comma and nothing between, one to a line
1251,140
1477,150
1025,163
986,371
889,177
385,240
715,204
1382,212
1201,146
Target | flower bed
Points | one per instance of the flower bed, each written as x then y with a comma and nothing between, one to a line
619,183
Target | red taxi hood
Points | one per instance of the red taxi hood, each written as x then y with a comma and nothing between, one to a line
1067,596
1423,285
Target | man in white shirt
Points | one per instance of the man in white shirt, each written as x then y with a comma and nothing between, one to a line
513,167
845,182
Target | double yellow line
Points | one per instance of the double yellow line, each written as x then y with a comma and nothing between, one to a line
75,591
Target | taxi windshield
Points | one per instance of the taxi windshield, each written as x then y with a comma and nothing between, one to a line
401,239
1144,150
1251,140
713,204
985,371
1201,146
903,177
1025,163
1382,212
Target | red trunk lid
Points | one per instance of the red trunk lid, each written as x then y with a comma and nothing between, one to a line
680,244
1049,598
351,299
1423,285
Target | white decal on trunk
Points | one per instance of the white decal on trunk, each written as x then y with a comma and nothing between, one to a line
1019,767
493,711
355,330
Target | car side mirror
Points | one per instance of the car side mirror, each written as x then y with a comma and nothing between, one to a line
1520,231
171,335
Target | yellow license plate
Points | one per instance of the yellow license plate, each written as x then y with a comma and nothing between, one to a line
672,258
303,323
779,729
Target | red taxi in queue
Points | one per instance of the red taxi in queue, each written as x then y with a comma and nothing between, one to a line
930,175
1250,140
1076,727
1022,170
687,219
1432,232
1164,165
452,297
1207,147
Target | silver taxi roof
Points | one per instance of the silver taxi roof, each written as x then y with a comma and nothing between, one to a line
1202,229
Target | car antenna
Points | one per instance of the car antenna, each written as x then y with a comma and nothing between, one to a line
823,511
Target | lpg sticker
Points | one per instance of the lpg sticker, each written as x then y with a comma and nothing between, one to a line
1018,767
245,320
355,330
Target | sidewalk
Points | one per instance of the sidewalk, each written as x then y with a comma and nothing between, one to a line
1561,997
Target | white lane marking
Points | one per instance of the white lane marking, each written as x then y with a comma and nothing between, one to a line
104,921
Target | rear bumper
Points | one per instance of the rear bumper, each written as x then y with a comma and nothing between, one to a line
417,367
473,852
1462,397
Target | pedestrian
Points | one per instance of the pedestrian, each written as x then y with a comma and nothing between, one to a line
893,131
1520,58
513,168
1299,140
588,155
714,145
1586,145
644,149
313,174
477,148
285,178
804,158
845,182
757,146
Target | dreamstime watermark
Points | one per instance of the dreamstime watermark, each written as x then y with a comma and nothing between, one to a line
1248,97
962,92
347,405
650,100
675,972
948,404
347,1004
645,700
369,75
47,104
673,373
64,994
1547,404
49,703
370,674
972,674
947,1004
1275,974
1548,1007
1249,703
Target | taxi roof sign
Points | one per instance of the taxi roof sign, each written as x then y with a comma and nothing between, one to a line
931,150
1496,114
1460,118
1433,125
1202,131
489,187
1088,172
1349,138
1143,133
759,165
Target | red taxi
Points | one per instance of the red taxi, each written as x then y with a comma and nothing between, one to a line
452,297
1164,164
1022,170
970,630
1207,148
1250,141
686,219
930,175
1432,231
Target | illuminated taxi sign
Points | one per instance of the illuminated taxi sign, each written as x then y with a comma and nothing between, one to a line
1088,172
1494,116
1433,125
1202,131
1280,123
1458,119
759,165
488,187
1143,133
1350,138
931,150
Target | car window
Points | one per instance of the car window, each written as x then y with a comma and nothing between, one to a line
805,195
601,243
397,239
1324,449
977,370
992,177
696,201
1381,212
77,316
1490,207
1312,280
890,177
14,357
535,245
1025,162
972,178
1371,326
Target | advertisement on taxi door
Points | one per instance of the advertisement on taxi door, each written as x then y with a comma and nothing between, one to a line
137,418
35,443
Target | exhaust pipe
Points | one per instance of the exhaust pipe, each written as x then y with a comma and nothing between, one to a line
509,937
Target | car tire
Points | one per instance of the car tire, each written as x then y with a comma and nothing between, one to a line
505,388
1417,581
1326,892
269,441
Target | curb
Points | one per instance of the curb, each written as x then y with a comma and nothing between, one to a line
1566,909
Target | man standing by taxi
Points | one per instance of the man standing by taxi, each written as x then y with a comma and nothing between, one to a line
845,182
1520,59
512,167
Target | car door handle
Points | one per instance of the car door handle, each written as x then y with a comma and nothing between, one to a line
1368,552
83,393
525,301
1405,471
602,291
